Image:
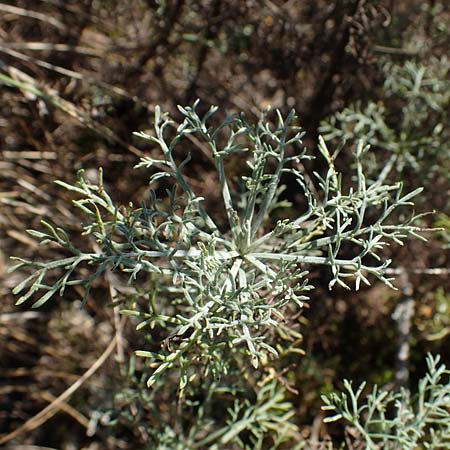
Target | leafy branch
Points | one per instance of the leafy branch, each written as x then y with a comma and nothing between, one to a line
223,290
423,420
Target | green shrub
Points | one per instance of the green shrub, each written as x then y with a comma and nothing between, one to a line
388,420
217,304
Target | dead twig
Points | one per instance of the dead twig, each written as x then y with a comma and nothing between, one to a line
429,271
50,410
63,406
118,323
403,315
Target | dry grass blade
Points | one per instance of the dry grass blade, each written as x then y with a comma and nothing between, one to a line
19,316
46,46
28,447
32,15
66,72
56,405
22,238
26,85
35,155
41,63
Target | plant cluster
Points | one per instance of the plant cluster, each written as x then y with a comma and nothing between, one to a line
408,124
394,420
212,301
212,272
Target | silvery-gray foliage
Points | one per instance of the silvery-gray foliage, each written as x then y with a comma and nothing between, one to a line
217,291
395,421
408,124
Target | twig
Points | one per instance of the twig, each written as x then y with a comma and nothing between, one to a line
50,410
315,431
71,411
430,271
118,323
403,315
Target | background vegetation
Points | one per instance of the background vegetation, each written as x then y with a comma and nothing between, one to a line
79,77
